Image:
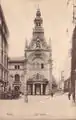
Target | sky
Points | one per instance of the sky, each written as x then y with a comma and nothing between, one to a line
57,23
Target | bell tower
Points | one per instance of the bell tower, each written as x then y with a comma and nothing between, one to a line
38,74
38,30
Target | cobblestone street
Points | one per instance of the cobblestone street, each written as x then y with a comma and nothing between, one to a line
38,107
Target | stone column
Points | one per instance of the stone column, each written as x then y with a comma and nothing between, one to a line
41,89
33,89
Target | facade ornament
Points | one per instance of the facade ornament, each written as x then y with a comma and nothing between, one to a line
38,43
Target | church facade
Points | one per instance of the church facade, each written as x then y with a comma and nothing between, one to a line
37,62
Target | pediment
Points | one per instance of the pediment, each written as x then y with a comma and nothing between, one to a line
38,44
37,77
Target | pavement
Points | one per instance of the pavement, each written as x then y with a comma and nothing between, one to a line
38,107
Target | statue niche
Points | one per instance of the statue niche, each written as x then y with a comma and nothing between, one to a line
38,43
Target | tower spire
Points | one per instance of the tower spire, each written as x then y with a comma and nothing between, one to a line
38,20
38,31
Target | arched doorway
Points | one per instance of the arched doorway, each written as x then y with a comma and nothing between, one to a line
37,85
17,82
37,89
44,89
17,78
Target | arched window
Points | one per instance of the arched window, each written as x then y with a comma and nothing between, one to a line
42,65
15,66
18,67
17,77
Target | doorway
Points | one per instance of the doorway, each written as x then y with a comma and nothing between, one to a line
37,89
30,89
44,89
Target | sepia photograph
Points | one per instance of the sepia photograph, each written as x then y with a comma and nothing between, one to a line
37,59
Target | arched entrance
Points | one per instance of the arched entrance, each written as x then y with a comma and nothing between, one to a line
37,85
17,83
44,89
17,77
37,89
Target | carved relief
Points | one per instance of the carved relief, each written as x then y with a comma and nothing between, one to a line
38,43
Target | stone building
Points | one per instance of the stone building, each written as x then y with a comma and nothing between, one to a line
16,73
38,61
36,66
73,65
3,51
67,84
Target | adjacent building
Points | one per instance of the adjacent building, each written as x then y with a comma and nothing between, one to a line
16,73
73,65
67,85
3,51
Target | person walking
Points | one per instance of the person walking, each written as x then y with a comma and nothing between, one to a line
74,97
69,95
52,94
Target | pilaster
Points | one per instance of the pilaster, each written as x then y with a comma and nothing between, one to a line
41,89
33,89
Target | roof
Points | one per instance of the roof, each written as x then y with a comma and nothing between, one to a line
16,59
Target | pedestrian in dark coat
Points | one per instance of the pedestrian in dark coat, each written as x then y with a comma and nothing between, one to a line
74,97
69,95
52,94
